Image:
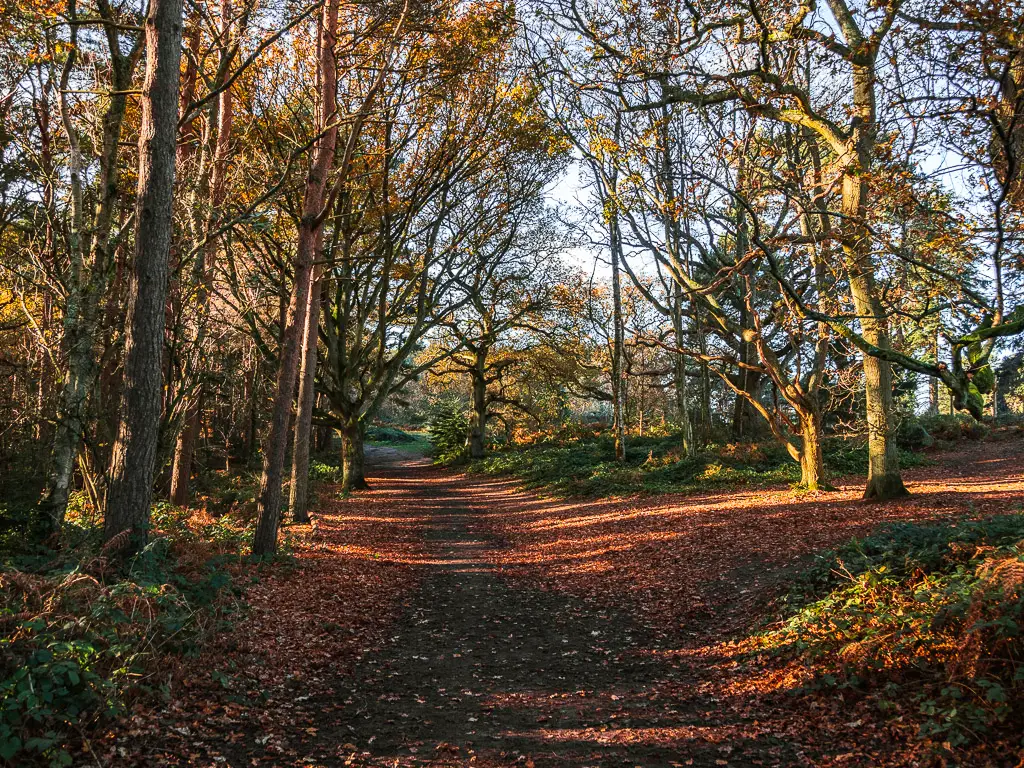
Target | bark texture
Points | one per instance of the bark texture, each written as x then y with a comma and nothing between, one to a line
812,465
299,490
618,340
478,426
184,450
89,266
884,479
353,461
133,464
679,374
276,444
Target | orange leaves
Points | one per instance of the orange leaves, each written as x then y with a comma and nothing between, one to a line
306,623
703,568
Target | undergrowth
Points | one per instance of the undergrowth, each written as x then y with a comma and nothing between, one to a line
234,493
586,466
954,427
924,618
83,637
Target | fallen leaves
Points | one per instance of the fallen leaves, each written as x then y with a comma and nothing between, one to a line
307,622
441,620
698,569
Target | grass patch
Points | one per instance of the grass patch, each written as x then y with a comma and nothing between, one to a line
408,441
388,435
927,619
586,466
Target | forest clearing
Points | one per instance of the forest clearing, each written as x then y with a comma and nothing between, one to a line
488,383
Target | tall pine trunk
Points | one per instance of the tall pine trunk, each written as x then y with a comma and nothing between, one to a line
276,445
133,464
299,490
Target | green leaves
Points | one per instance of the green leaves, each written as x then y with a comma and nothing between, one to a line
927,611
984,379
89,645
449,429
10,744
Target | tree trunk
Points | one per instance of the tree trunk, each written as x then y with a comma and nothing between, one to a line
353,463
299,491
933,383
322,439
618,341
683,404
70,423
682,385
740,411
269,504
884,479
184,448
249,384
134,454
673,241
812,464
746,419
704,393
478,429
746,379
84,289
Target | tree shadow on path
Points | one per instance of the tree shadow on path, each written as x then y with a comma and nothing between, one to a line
486,672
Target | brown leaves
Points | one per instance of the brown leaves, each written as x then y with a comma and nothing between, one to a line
306,623
623,650
699,569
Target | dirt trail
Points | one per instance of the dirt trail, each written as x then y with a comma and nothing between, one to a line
444,620
487,672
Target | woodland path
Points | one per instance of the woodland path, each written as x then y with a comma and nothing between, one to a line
440,619
486,671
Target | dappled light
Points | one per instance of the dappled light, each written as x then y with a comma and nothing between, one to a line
492,384
485,625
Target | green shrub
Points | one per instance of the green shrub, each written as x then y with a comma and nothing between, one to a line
1010,420
850,457
927,614
392,435
226,492
83,638
22,530
449,429
912,435
958,426
322,472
